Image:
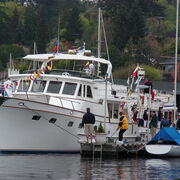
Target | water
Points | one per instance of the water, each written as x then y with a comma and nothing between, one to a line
74,167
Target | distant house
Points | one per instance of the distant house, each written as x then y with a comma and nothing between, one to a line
167,67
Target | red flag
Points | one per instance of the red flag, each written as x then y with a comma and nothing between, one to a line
135,72
55,49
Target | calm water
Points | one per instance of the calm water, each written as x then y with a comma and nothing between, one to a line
73,167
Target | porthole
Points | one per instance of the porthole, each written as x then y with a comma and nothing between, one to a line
70,124
35,117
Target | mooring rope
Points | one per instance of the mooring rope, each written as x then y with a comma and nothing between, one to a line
51,123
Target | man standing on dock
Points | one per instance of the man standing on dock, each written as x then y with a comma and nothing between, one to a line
87,122
123,126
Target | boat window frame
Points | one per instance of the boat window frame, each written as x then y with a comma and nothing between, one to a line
63,86
90,91
19,84
80,88
48,83
38,91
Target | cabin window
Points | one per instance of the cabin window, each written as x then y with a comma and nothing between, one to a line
84,89
80,90
23,85
54,87
89,92
113,110
38,86
69,88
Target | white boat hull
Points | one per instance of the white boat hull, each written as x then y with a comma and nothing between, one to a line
18,132
163,150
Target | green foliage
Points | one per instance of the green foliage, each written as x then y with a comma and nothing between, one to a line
129,18
5,50
137,30
88,28
100,129
152,73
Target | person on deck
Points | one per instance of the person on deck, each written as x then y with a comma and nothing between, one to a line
145,117
87,122
178,122
153,123
165,123
123,126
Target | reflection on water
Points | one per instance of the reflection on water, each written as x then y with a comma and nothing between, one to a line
67,167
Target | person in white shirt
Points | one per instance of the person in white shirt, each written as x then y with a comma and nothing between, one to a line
8,87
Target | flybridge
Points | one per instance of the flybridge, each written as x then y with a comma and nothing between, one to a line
46,58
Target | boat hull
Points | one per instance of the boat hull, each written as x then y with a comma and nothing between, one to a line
163,150
19,132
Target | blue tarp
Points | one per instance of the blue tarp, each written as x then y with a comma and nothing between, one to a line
167,134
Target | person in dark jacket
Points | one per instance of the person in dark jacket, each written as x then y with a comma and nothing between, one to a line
165,123
178,122
145,117
87,122
153,125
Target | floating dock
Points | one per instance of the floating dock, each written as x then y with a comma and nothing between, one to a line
112,149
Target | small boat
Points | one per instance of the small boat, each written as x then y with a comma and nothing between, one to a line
165,143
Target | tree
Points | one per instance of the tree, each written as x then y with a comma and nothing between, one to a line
42,30
5,50
73,24
4,20
30,25
128,18
14,26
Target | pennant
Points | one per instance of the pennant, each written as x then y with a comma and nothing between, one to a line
38,73
135,72
27,81
43,70
128,81
55,49
35,75
31,77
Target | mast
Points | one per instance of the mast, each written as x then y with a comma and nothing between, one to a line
58,34
99,33
99,39
176,53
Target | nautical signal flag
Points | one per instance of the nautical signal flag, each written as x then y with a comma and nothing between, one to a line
135,72
55,49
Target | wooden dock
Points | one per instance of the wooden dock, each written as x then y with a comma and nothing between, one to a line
112,149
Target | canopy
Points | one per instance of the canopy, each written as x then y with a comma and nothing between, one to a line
167,134
45,58
59,56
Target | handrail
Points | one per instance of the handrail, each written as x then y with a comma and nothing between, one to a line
73,72
48,96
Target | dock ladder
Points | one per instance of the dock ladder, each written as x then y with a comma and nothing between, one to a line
97,148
